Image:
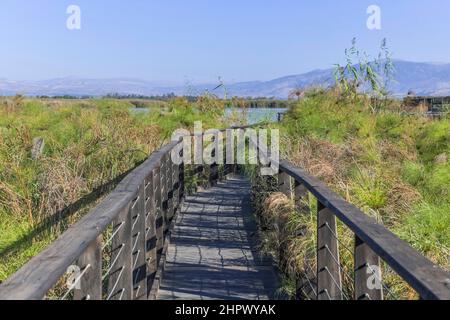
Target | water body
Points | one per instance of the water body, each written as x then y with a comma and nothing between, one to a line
256,115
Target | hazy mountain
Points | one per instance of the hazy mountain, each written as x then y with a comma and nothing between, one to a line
422,78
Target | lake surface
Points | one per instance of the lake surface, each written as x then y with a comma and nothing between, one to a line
256,115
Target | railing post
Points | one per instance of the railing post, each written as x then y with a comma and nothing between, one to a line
229,152
159,218
284,184
301,198
213,168
90,263
306,283
120,285
164,196
150,230
329,283
176,187
138,232
169,193
368,285
181,172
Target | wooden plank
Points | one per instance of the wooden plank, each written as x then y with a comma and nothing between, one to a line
329,283
90,264
368,285
427,278
138,232
120,283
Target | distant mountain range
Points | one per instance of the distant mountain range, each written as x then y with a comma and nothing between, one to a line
423,78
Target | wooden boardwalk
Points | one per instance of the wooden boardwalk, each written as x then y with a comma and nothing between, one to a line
213,252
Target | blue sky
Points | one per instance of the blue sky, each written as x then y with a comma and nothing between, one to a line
199,40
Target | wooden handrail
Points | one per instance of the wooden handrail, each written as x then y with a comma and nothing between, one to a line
428,279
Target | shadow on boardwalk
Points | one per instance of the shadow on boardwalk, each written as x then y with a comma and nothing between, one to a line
213,252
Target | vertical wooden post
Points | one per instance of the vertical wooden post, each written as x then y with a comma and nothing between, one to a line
164,195
213,166
138,232
306,283
169,193
329,283
229,153
159,219
284,184
120,286
199,168
368,284
181,179
150,236
301,198
90,262
176,187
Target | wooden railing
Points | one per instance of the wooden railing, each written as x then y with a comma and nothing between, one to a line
372,242
117,251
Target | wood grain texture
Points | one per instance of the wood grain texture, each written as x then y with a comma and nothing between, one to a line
90,262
